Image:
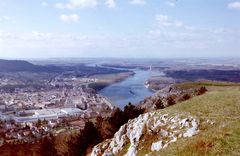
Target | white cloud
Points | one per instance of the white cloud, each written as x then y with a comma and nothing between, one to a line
72,4
178,23
175,34
234,5
59,5
110,3
159,43
44,4
163,20
166,21
7,19
4,18
138,2
171,4
69,18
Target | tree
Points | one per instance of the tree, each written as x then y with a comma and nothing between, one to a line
185,97
131,111
159,104
119,118
44,122
202,91
38,123
2,123
47,146
77,146
170,101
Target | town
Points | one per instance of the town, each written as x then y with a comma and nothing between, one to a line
64,103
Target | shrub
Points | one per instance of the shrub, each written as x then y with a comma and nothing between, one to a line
202,91
170,101
117,119
77,146
131,111
159,104
47,146
185,97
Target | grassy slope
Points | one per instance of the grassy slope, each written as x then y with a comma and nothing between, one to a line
222,105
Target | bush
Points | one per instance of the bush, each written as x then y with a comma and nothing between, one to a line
120,117
170,101
117,119
131,111
202,91
89,136
185,97
159,104
47,146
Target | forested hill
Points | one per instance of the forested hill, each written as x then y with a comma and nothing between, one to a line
24,66
78,69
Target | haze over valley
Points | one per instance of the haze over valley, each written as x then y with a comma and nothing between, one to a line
119,78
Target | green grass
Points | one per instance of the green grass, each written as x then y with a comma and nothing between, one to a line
124,150
221,105
210,85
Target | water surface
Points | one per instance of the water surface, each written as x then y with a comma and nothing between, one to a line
131,89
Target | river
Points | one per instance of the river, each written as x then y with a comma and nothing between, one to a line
131,89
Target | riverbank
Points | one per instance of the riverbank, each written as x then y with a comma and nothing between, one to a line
108,79
131,89
156,83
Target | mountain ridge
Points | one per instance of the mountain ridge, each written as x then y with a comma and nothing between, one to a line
24,66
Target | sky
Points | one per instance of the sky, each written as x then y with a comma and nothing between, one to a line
119,28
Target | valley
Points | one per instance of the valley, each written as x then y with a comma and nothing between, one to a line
153,100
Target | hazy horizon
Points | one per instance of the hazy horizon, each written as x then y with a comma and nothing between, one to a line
44,29
120,58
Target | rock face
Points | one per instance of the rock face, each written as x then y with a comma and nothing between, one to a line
157,146
165,128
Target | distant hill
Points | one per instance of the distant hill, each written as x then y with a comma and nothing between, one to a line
24,66
193,75
77,70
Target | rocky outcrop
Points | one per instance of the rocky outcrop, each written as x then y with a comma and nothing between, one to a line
149,104
165,128
156,83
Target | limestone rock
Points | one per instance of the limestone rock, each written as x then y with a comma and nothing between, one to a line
166,128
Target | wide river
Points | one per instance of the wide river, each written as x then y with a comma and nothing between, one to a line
131,89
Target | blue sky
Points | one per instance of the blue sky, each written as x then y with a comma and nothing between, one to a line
119,28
